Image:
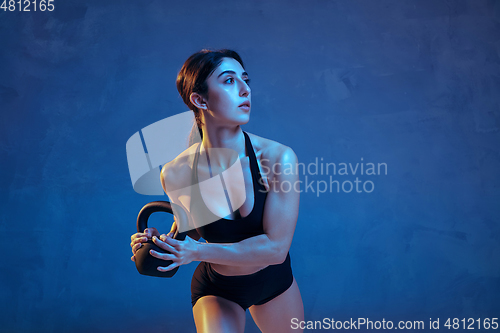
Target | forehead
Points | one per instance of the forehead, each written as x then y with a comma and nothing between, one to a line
228,64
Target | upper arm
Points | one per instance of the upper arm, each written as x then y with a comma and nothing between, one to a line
282,204
171,177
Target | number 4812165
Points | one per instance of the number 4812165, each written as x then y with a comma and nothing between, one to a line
27,5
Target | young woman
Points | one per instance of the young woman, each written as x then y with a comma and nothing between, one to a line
244,262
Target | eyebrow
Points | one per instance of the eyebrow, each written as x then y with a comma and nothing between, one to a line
231,72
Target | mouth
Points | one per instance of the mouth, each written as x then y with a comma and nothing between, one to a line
245,105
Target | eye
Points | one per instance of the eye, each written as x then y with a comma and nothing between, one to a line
231,80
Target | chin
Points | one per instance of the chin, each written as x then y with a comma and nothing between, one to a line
242,119
245,119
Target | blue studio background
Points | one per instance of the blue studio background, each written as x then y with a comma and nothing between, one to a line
412,84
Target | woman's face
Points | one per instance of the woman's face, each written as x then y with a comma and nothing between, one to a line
228,89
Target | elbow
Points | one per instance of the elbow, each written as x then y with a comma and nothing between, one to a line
278,256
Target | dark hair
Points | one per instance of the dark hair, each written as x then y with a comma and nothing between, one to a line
192,77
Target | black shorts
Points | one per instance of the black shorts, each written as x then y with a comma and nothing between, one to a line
246,290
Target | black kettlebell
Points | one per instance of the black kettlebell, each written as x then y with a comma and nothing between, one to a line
147,264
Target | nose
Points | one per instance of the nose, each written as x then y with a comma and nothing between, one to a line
245,89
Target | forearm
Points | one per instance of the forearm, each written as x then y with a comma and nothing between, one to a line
254,251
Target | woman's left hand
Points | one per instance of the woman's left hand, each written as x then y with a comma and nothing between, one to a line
181,252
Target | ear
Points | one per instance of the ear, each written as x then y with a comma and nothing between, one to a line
198,101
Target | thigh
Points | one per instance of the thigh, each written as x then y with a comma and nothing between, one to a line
276,315
217,314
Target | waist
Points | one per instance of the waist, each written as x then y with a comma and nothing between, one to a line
228,270
236,270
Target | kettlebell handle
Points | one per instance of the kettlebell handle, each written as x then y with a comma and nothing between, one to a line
161,206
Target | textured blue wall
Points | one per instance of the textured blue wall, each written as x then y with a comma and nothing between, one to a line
413,84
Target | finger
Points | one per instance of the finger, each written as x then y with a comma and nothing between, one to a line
172,242
132,258
138,241
138,235
168,268
169,235
136,247
164,245
162,256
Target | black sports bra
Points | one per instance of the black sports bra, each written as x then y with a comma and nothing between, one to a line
230,230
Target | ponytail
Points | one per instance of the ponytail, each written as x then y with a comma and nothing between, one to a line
196,134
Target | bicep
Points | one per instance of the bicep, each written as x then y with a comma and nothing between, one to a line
282,203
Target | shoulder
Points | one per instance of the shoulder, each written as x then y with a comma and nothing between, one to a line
273,156
176,174
272,150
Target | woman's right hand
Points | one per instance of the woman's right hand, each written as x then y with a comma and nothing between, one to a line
140,237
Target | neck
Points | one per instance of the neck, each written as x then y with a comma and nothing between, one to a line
224,145
224,137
